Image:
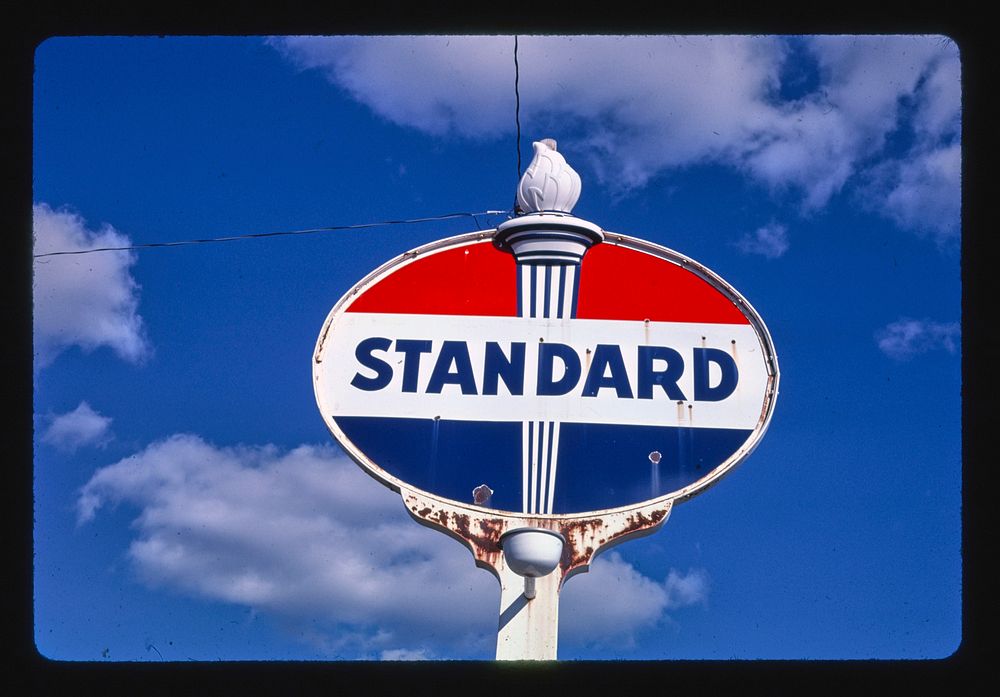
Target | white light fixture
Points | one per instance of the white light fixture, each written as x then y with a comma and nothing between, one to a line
532,553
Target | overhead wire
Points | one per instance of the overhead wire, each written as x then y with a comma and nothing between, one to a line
517,116
281,233
310,231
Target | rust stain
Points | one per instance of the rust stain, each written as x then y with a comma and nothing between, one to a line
584,536
577,534
485,542
641,521
481,494
483,535
582,541
491,528
768,401
461,522
322,342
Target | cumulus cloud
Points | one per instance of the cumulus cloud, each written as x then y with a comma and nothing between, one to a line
906,337
418,81
922,193
770,241
636,106
610,602
921,189
83,300
306,536
686,589
75,429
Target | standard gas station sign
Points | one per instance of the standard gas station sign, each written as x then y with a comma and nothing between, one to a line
544,390
564,388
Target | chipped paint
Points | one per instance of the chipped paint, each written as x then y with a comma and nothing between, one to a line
481,495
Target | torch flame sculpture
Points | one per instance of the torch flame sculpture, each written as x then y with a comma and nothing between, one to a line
549,184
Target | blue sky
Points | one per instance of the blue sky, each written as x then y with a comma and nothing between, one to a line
189,502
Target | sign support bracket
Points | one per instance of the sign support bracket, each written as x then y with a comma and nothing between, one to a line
528,629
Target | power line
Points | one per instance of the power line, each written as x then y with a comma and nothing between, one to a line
232,238
517,115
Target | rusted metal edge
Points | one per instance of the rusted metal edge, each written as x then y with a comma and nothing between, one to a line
586,538
479,533
480,530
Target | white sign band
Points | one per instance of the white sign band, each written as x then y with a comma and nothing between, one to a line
476,368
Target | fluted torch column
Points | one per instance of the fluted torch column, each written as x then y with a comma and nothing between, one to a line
548,244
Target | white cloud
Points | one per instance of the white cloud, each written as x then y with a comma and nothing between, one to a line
769,241
301,534
80,427
306,536
906,338
647,104
922,193
405,655
939,107
686,589
610,602
87,300
438,85
921,190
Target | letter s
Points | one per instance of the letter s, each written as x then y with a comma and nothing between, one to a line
383,371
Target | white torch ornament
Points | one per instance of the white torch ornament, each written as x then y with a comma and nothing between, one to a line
549,184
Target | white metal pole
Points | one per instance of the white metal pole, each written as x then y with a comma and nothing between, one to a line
528,629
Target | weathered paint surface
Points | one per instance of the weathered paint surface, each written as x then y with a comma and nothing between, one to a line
528,629
480,529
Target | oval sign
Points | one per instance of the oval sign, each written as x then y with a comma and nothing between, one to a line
635,375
